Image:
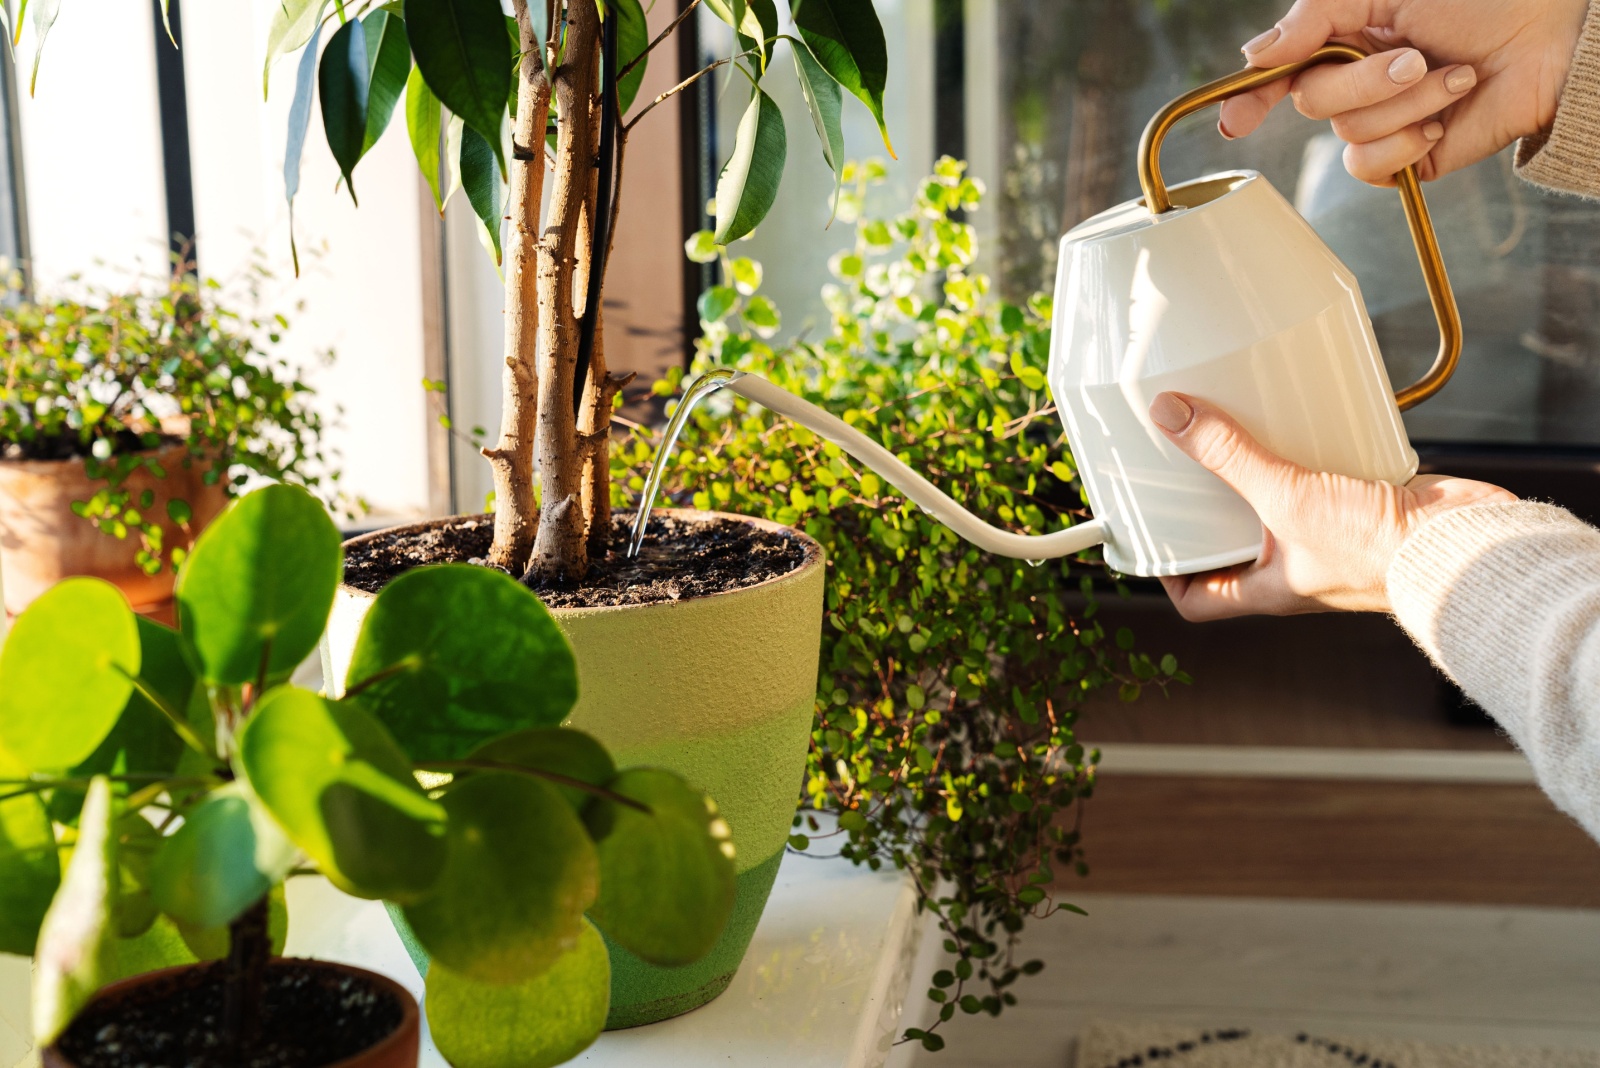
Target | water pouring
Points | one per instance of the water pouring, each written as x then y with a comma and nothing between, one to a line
1213,287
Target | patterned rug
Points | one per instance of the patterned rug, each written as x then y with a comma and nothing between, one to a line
1133,1044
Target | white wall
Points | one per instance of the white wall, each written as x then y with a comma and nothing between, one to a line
95,193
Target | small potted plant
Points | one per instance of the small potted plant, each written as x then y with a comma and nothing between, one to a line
189,779
126,420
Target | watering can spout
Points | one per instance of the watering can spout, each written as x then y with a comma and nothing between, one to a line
933,500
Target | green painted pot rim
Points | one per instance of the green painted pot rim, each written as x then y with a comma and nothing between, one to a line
814,558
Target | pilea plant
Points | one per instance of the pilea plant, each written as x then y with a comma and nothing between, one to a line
566,74
108,377
950,680
211,779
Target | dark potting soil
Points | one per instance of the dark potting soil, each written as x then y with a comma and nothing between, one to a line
70,447
680,558
309,1017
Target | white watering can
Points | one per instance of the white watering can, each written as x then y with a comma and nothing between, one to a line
1216,288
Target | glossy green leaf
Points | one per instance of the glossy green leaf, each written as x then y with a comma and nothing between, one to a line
823,101
633,38
70,962
666,877
66,673
748,185
452,656
520,873
559,750
462,50
388,68
226,855
343,791
343,87
424,124
299,123
293,23
137,840
480,178
747,23
254,594
847,39
30,869
537,1023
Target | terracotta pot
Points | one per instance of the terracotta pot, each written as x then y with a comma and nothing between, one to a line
720,689
396,1050
42,542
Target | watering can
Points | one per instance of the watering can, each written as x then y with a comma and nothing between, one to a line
1216,288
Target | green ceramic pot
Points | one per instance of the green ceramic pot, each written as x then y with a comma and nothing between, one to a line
719,689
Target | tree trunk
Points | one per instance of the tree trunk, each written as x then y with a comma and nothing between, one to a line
511,459
560,553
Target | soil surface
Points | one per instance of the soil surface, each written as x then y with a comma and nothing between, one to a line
309,1018
679,559
70,447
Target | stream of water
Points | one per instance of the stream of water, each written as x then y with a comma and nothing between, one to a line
702,388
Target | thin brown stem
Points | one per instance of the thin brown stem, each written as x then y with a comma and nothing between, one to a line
662,36
676,89
244,977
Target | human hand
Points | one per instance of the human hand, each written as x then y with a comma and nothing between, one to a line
1450,82
1327,540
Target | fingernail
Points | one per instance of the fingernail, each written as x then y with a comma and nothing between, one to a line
1257,43
1433,130
1461,79
1223,130
1170,413
1408,66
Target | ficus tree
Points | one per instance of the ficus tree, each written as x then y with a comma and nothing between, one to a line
495,106
189,779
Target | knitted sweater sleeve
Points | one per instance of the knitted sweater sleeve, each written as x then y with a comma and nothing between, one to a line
1567,158
1505,598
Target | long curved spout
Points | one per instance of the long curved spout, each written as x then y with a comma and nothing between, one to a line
933,500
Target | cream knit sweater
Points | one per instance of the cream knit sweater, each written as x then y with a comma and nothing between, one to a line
1506,597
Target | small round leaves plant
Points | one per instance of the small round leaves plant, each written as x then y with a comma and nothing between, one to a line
951,681
187,778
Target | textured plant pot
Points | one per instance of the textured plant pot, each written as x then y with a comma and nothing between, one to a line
719,689
42,542
398,1049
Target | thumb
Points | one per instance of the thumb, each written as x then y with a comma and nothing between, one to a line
1215,441
1308,26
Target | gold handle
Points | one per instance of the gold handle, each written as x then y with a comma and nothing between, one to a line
1422,235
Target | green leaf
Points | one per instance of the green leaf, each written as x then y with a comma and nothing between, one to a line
715,303
299,123
66,674
30,870
424,118
702,247
481,180
462,49
293,24
666,876
520,874
458,655
388,68
44,17
555,749
537,1023
748,22
71,960
823,100
221,861
343,87
343,791
748,185
633,37
254,594
135,908
847,40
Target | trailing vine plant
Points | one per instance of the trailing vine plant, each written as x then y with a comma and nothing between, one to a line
950,680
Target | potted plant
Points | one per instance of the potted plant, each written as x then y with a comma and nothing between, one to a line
945,740
189,779
126,421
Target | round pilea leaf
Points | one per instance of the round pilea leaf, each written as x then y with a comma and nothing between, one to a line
221,861
66,674
253,596
520,873
666,876
30,869
452,656
72,957
341,788
558,750
543,1021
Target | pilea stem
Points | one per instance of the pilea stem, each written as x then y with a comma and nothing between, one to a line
244,980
